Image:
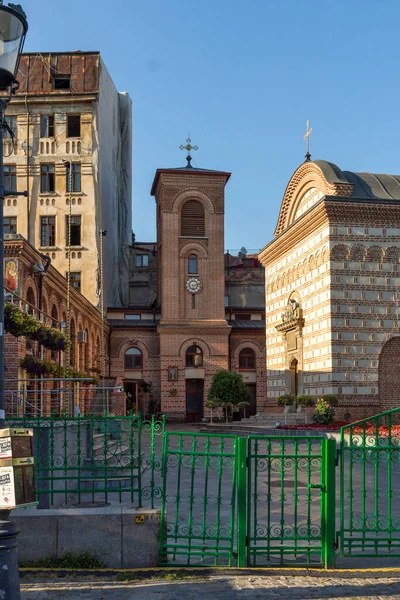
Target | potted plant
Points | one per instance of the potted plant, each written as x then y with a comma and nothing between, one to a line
303,401
173,391
286,400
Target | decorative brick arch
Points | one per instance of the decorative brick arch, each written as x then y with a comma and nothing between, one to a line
242,346
193,194
389,374
306,177
392,254
192,247
358,252
133,343
194,341
340,252
375,254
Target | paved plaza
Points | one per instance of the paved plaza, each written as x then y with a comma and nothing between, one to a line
219,588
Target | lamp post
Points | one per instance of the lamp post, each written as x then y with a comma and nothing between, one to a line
13,28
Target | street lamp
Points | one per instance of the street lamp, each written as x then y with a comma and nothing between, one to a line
13,28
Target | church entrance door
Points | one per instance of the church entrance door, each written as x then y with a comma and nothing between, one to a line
194,400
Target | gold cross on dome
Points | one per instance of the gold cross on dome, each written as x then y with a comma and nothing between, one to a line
188,147
306,137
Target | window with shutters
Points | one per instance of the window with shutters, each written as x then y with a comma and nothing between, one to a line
192,219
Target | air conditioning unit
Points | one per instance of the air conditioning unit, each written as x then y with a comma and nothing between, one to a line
82,337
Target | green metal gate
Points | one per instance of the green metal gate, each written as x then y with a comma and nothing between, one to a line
262,501
370,487
291,501
199,494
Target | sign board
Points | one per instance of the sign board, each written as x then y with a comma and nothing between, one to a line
5,448
7,489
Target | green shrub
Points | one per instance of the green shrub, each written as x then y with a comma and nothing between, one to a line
285,400
324,413
67,561
305,400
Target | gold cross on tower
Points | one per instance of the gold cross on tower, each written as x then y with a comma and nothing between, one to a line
188,147
306,137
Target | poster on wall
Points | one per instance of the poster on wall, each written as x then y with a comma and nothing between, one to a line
11,277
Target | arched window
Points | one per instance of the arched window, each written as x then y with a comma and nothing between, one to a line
194,357
247,359
133,359
192,264
54,316
72,348
30,298
192,219
87,351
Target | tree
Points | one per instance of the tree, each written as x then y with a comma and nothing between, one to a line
228,389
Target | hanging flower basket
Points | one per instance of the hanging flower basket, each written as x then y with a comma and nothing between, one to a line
19,323
36,366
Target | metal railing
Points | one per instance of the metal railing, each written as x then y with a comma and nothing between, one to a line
92,459
370,486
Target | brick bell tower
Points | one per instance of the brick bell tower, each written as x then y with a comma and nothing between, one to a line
193,331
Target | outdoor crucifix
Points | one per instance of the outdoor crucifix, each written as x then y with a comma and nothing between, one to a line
306,137
188,147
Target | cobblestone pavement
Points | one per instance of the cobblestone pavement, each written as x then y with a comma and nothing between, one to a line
219,588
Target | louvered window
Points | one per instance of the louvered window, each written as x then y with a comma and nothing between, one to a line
192,219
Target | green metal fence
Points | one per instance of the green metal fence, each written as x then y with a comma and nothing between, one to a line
291,501
198,523
95,459
370,486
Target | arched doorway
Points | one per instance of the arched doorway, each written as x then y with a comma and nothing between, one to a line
294,377
247,368
389,374
194,386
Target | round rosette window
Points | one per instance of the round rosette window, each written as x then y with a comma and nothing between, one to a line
193,285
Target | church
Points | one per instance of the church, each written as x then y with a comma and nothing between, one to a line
193,309
332,281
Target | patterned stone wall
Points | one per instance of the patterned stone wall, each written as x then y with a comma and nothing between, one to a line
303,271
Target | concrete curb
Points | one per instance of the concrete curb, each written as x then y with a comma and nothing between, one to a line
145,573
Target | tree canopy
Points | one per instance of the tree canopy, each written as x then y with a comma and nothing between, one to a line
227,388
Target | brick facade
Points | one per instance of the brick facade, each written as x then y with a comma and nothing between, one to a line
47,303
339,259
178,318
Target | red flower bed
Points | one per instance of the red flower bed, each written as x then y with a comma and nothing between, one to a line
371,429
315,427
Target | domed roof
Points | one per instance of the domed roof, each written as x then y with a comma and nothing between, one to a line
365,185
327,179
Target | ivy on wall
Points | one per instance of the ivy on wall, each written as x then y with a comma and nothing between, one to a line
19,323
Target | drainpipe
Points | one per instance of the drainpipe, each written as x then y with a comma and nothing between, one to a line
109,354
27,169
47,260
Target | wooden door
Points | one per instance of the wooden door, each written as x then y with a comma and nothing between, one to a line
194,400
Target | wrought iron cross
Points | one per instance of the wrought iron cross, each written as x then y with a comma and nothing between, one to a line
306,137
188,147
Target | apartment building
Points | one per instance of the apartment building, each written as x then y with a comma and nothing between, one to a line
69,145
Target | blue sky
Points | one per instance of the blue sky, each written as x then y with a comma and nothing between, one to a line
243,77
